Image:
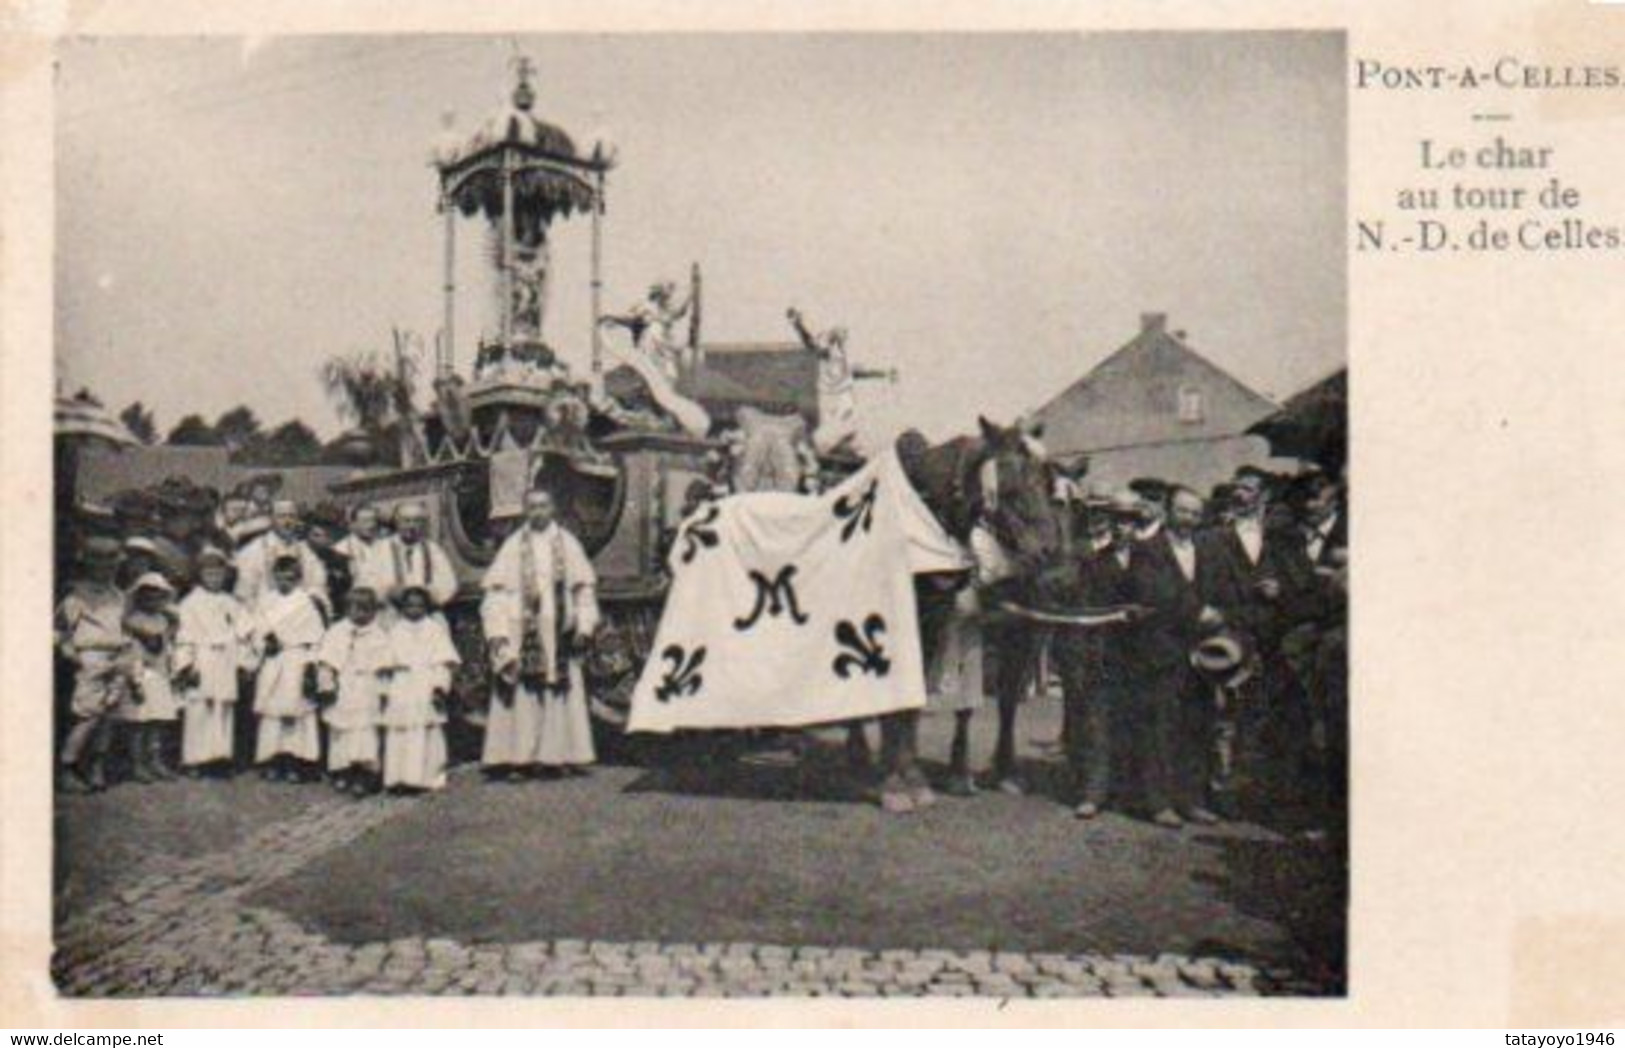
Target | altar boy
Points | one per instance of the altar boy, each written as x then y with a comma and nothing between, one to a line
289,623
211,645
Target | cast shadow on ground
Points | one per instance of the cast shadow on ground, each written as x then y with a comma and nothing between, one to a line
1297,886
791,765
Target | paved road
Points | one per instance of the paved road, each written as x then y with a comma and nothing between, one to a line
744,877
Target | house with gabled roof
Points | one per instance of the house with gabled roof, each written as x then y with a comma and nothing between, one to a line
1156,407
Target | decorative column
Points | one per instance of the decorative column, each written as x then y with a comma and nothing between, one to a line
597,282
447,363
506,316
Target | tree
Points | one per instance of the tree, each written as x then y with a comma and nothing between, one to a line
193,431
141,423
291,444
378,394
238,427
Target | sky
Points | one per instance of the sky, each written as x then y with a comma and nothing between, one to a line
987,213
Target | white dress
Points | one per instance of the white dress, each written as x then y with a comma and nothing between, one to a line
212,640
152,701
356,662
528,725
287,716
414,732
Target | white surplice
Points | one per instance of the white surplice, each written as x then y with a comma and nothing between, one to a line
550,725
287,716
356,662
213,641
414,729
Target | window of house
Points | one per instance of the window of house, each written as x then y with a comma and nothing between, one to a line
1190,404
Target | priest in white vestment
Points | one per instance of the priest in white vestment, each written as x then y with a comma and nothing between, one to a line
540,609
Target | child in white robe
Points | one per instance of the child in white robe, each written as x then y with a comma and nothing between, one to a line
356,660
152,711
289,623
415,704
211,645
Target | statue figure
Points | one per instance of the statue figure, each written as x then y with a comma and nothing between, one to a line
837,391
658,364
530,288
660,312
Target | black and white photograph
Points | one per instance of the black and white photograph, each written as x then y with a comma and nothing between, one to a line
701,515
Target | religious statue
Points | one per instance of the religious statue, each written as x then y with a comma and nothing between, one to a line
837,391
530,287
659,362
659,312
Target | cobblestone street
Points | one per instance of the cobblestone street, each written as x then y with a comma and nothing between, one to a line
748,878
186,931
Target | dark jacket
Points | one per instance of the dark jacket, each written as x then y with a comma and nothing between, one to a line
1229,580
1097,580
1164,638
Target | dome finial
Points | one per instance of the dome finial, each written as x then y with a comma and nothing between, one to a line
524,96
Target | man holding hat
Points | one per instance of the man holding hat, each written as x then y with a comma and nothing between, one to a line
1173,710
1242,577
255,560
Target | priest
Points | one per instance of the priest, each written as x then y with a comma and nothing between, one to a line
540,610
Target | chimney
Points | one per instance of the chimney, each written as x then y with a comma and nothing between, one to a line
1153,323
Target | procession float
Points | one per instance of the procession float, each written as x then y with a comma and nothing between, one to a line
659,423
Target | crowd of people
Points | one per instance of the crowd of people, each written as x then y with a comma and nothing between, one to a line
313,643
317,646
1212,679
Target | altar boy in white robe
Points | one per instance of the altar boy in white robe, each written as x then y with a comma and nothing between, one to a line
414,713
355,660
289,623
539,611
211,646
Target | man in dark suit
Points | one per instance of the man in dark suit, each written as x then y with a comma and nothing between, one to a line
1090,659
1315,644
1241,576
1173,708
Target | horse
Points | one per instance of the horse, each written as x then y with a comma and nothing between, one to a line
1000,480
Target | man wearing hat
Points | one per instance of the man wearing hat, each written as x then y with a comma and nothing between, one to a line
1172,710
1242,577
413,559
1091,660
255,560
89,635
1153,496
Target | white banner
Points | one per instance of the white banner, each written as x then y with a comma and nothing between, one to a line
791,609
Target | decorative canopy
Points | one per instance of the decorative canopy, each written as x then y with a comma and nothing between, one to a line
81,417
551,177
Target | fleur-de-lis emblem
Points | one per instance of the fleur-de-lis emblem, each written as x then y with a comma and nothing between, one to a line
859,514
774,597
864,653
683,675
700,532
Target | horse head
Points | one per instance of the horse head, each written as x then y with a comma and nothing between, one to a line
1013,491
